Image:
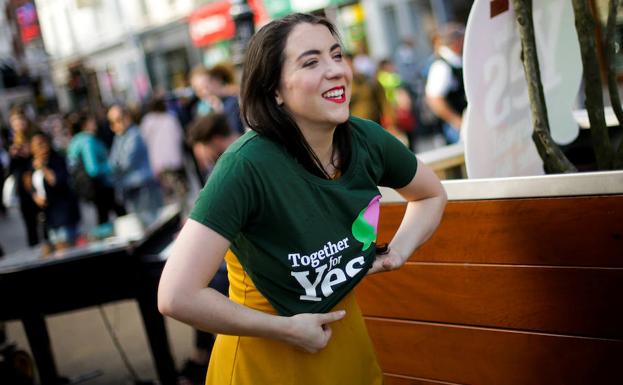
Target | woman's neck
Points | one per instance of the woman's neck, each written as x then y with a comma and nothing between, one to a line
321,143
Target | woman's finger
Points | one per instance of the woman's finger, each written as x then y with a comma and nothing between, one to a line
333,316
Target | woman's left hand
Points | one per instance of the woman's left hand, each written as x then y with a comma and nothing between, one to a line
387,262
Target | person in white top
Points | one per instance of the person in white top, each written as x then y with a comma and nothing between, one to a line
445,92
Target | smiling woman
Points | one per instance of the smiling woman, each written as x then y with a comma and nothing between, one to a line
304,94
293,207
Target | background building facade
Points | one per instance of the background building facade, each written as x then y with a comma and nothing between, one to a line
103,51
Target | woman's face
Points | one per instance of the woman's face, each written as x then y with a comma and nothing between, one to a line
90,125
315,85
18,123
200,84
39,147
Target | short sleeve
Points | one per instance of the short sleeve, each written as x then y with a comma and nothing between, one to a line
229,199
439,79
399,163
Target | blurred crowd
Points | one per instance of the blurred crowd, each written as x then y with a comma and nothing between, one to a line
124,159
134,158
421,102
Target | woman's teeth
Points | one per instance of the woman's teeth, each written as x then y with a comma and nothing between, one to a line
333,94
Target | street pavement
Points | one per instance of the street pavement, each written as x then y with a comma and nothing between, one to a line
82,347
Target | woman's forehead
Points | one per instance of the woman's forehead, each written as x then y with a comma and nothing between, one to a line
305,37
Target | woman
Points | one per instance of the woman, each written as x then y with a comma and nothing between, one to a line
49,181
296,202
22,130
88,160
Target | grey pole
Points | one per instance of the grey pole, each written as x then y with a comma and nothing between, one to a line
242,15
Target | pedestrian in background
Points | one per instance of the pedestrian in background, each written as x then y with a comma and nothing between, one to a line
129,162
209,137
223,85
368,99
87,156
297,193
163,137
445,91
206,101
22,130
49,185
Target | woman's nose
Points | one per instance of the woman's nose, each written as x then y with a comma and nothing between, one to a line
336,69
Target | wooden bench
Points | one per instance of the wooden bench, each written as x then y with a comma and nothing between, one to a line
523,289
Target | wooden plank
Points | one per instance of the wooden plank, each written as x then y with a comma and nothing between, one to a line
570,231
493,357
576,301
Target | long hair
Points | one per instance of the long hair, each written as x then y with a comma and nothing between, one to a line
22,137
260,80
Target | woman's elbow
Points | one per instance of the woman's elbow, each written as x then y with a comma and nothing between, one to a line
169,302
165,303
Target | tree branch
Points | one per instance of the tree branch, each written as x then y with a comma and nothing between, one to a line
585,27
554,160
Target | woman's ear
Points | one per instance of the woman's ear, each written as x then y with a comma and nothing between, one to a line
278,98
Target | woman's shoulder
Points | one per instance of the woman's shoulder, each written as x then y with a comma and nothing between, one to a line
254,148
367,132
365,127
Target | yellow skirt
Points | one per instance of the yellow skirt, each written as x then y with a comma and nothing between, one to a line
348,358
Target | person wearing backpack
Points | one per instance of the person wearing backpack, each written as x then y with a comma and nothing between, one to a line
88,164
445,92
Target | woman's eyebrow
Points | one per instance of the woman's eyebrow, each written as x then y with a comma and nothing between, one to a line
334,47
317,52
308,53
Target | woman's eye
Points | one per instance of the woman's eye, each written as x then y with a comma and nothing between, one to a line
338,56
310,63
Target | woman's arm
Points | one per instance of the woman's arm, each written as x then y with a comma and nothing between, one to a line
427,199
183,294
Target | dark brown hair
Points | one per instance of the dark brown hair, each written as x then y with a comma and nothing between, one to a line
77,121
222,72
260,80
20,112
157,104
204,129
198,70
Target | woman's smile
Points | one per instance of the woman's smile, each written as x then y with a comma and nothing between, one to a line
336,95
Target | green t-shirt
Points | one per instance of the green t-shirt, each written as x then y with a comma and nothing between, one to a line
304,241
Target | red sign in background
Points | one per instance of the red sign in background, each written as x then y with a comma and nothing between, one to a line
213,23
26,16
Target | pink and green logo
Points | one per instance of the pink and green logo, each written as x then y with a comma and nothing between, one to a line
365,225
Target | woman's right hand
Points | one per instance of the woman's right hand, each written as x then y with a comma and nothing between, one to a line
311,332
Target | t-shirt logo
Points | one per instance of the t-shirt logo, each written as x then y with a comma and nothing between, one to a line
365,225
326,262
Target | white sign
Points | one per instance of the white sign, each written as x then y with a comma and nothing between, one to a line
207,26
498,124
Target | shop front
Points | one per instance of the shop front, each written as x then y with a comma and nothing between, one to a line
169,55
212,29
